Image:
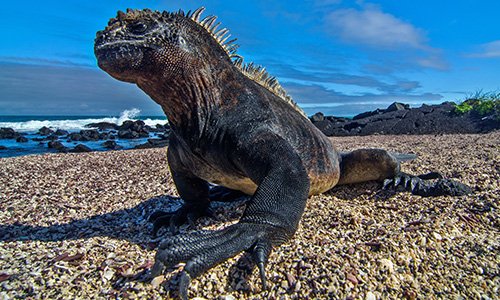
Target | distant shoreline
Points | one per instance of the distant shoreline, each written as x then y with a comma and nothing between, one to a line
25,135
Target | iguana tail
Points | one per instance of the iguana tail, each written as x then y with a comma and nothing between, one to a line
403,156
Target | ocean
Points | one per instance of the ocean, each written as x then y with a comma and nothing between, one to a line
29,126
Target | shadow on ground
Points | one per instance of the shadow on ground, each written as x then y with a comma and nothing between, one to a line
127,224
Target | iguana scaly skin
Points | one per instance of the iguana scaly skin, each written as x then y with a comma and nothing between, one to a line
232,125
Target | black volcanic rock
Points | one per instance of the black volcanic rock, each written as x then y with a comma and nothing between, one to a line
74,136
101,126
133,130
57,146
154,143
367,114
84,135
111,145
8,133
317,117
52,137
80,148
132,125
161,127
90,134
105,135
397,106
398,118
61,132
22,139
128,134
45,131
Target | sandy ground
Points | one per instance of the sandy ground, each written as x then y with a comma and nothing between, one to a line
74,226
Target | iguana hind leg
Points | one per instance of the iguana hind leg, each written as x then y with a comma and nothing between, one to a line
377,164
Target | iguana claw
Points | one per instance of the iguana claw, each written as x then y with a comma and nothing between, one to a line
204,249
261,252
418,185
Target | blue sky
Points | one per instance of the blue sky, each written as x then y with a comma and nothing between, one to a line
337,56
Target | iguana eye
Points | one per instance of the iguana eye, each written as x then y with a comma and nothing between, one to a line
138,27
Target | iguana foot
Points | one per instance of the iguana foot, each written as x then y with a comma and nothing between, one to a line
418,185
223,194
204,249
186,214
190,212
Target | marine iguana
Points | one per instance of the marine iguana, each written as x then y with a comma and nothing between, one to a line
232,125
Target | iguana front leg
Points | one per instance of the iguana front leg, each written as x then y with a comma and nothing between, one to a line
271,217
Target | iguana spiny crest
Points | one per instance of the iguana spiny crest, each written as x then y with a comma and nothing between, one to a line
139,33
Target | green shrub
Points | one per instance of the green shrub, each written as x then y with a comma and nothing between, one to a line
480,103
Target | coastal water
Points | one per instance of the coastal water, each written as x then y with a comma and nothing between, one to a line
29,126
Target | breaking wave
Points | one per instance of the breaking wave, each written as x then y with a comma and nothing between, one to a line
72,123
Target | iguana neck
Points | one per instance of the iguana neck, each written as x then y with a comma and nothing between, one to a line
188,100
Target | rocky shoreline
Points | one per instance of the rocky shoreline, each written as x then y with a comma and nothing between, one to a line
396,119
104,133
399,118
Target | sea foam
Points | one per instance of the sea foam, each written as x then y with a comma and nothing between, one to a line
78,124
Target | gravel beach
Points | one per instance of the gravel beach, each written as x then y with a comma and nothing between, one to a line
74,226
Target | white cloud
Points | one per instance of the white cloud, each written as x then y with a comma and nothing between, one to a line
433,61
375,28
488,50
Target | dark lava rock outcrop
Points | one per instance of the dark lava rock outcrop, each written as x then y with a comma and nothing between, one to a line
399,118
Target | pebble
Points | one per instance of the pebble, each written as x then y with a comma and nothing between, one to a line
387,264
370,296
437,236
157,281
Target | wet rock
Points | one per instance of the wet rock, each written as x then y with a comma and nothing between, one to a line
161,127
101,126
74,136
90,134
132,134
111,145
52,137
128,134
45,131
60,132
153,143
57,146
22,139
84,135
8,133
133,130
80,148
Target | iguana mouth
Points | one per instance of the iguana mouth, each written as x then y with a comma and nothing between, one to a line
119,52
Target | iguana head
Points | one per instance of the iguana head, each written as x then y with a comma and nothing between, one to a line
140,46
140,43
